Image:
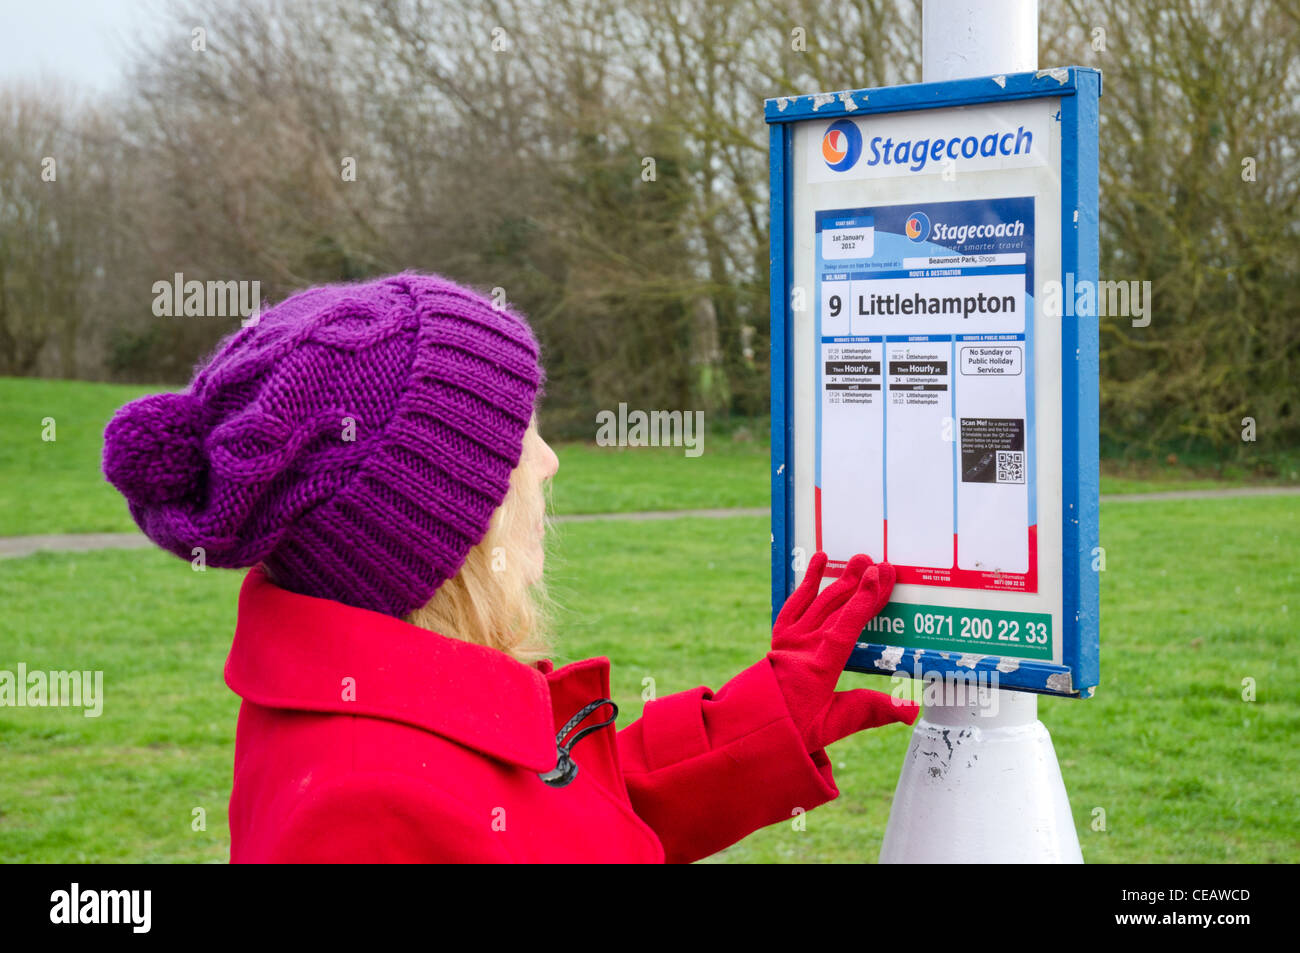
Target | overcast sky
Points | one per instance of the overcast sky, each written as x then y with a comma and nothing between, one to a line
80,41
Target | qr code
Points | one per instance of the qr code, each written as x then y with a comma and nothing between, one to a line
1011,466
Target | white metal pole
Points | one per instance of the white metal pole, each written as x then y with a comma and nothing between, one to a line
980,782
977,38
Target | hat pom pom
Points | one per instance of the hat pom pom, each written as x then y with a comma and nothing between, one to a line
153,449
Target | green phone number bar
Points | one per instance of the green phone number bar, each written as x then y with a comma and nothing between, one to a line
985,631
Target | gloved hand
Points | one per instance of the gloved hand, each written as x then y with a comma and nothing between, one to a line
812,639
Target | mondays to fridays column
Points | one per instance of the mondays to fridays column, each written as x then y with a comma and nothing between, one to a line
851,482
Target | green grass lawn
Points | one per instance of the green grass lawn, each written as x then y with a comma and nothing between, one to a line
56,486
595,479
1196,597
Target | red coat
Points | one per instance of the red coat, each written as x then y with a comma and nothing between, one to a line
364,738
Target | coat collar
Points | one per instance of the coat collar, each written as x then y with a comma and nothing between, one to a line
296,652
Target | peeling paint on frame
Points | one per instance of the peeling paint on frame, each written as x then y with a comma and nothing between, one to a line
890,658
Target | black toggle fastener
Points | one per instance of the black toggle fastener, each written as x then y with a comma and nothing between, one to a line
566,769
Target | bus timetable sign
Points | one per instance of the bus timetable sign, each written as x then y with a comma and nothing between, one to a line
930,406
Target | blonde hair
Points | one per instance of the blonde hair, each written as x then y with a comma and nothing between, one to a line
498,599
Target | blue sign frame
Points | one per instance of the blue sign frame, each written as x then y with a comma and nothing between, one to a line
1079,89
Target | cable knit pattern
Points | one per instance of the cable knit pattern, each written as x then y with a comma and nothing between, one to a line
251,462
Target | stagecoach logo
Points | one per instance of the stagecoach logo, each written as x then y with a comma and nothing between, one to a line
842,145
917,226
934,142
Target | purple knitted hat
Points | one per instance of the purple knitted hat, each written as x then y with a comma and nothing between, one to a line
356,439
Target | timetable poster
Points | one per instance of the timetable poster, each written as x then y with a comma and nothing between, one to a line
925,427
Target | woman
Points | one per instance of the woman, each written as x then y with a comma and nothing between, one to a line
371,451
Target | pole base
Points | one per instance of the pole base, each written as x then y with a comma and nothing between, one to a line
981,788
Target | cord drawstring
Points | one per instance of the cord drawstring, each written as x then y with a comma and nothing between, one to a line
566,769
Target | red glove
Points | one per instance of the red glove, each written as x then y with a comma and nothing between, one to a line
812,640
